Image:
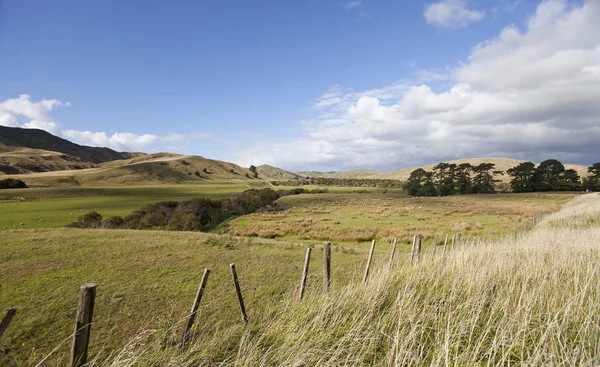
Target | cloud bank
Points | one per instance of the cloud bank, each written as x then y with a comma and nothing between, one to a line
531,93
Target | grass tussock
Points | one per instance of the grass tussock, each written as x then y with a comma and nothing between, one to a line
532,301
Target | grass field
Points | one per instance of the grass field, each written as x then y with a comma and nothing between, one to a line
353,218
57,207
147,279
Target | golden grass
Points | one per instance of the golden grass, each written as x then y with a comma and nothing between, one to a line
352,218
533,301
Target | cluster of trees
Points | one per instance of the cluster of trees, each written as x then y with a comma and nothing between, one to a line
191,215
551,175
342,182
12,183
450,179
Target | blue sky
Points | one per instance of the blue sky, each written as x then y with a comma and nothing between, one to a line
275,82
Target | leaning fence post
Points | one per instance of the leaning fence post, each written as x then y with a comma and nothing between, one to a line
392,254
445,245
304,273
457,239
435,241
192,316
369,262
412,249
10,313
326,266
83,324
238,291
418,246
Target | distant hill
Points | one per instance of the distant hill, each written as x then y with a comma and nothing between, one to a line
14,138
151,169
270,173
402,174
25,160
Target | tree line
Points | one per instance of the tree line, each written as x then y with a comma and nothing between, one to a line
451,179
341,182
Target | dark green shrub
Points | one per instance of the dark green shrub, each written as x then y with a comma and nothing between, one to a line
12,183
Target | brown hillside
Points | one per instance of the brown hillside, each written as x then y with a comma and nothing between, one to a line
25,160
151,169
270,173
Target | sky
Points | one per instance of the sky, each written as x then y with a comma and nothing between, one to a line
316,85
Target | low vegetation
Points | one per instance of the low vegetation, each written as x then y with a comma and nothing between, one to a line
192,215
342,182
11,183
356,218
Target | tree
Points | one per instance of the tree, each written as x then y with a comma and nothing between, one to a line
569,181
483,180
420,183
444,175
592,181
254,171
463,178
547,175
522,177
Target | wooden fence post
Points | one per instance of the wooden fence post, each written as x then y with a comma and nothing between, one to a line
192,315
445,245
392,254
366,276
10,313
412,249
326,266
435,241
457,239
419,245
238,291
304,273
83,324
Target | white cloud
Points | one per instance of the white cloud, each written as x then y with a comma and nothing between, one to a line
25,113
532,94
451,14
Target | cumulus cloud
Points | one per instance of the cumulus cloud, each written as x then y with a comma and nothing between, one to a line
452,14
25,113
531,94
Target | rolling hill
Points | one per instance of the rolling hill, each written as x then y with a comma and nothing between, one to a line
270,173
13,138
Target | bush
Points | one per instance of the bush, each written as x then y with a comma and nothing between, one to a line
89,220
12,183
112,222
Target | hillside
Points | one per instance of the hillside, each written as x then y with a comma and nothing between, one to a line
13,138
159,168
402,174
270,173
25,160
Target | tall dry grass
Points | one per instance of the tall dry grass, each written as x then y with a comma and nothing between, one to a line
532,301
